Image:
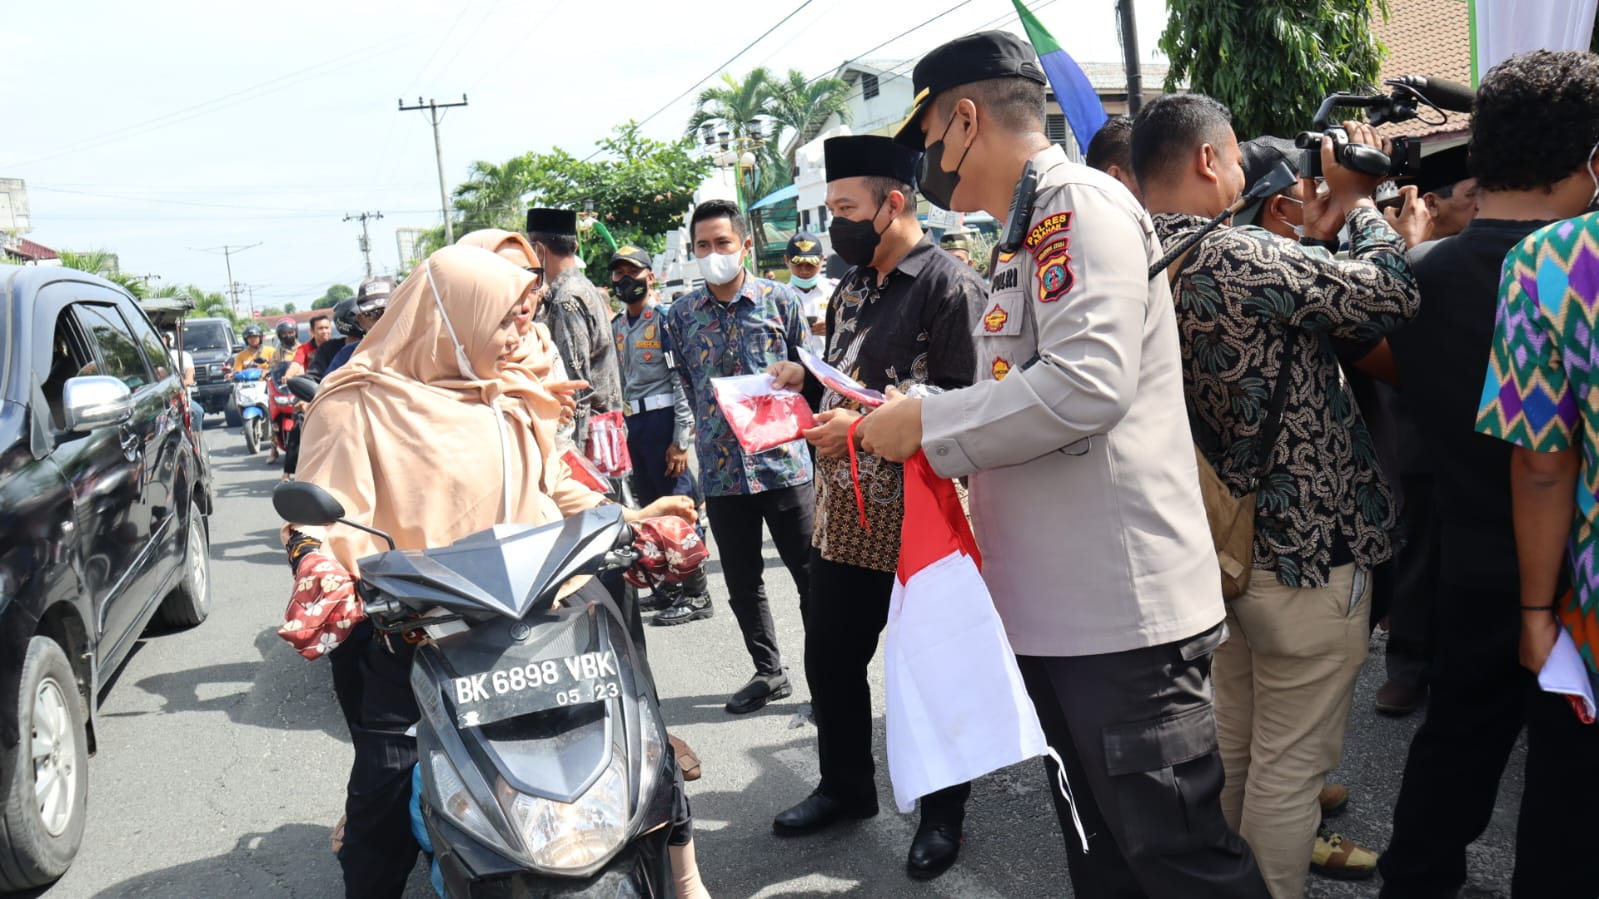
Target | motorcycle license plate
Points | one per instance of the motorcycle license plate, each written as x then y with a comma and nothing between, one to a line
521,687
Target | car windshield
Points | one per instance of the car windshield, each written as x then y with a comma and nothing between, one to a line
205,336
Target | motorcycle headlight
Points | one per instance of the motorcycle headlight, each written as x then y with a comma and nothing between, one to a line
456,801
653,750
561,835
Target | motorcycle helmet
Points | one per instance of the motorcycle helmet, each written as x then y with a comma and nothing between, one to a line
373,296
287,333
344,318
253,331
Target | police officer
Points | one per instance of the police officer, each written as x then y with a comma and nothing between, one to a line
1084,497
957,244
660,424
804,258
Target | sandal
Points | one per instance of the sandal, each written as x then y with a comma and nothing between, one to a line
686,759
336,841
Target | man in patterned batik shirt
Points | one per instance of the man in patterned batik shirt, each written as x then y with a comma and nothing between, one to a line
1540,395
899,317
738,324
1247,303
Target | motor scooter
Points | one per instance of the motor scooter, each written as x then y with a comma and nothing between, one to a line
250,398
545,768
282,401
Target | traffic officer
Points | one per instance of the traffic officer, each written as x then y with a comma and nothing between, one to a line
1085,499
660,424
804,258
957,244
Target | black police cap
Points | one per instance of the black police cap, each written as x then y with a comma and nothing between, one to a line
804,247
552,221
630,253
868,156
975,57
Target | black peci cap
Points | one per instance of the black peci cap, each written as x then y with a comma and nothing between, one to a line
975,57
629,253
868,156
552,221
804,247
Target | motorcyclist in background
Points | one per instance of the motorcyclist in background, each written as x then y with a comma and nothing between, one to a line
255,351
359,316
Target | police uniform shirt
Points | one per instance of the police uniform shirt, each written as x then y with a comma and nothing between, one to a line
813,303
648,382
1084,491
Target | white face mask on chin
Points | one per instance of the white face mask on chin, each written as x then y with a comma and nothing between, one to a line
722,268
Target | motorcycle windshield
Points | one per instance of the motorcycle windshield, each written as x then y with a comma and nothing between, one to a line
507,570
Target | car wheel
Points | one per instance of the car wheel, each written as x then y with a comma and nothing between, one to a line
190,602
252,436
230,414
47,785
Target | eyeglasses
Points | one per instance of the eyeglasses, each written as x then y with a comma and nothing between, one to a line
537,272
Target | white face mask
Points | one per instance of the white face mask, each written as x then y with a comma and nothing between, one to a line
722,268
461,361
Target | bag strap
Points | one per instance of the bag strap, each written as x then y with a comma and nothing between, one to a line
1271,425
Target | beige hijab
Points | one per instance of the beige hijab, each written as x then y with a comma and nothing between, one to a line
420,434
536,357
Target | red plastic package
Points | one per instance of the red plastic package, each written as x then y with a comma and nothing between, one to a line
607,443
761,415
584,472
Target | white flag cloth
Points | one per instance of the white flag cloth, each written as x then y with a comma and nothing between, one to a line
956,705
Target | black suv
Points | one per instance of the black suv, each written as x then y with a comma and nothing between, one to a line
210,341
103,505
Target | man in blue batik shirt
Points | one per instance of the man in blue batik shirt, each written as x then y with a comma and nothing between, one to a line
738,324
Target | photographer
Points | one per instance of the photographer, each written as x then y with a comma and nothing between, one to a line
1253,308
1480,694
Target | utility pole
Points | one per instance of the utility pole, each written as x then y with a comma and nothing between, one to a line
366,242
227,257
1135,72
433,108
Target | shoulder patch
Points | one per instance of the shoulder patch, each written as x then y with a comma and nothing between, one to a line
1055,275
1049,227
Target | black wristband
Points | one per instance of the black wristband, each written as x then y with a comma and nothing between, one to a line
1548,608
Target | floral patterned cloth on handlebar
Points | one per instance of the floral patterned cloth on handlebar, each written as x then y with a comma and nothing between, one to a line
671,551
323,609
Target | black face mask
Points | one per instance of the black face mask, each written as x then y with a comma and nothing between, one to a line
937,185
854,241
630,290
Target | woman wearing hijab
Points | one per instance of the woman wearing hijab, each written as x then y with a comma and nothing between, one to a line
537,356
408,437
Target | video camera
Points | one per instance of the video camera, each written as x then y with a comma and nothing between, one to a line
1408,95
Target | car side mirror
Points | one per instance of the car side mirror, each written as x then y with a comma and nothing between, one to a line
95,401
299,502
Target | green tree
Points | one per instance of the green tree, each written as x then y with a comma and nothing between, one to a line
104,263
492,195
799,104
1272,61
271,312
332,296
290,308
734,105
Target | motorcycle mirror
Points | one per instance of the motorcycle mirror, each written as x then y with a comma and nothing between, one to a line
303,387
298,502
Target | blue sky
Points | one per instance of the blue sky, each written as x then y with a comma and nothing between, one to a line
162,129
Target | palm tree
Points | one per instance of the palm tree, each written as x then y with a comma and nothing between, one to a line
734,104
492,195
800,104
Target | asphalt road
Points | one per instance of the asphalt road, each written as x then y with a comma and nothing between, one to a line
222,760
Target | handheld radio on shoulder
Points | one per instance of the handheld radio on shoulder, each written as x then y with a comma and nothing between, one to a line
1021,212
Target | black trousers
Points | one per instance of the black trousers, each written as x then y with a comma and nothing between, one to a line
1138,737
1412,617
846,611
345,662
1481,697
379,850
736,524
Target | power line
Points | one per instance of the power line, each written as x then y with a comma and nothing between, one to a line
718,69
433,107
227,259
366,241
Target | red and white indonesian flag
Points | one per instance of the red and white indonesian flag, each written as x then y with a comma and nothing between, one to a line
956,706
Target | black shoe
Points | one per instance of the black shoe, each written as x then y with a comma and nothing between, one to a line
657,601
935,848
685,610
818,812
761,689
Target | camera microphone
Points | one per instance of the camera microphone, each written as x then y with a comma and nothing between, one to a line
1445,94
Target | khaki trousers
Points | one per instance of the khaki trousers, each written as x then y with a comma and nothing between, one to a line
1284,680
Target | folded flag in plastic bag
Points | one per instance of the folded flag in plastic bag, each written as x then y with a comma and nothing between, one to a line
760,415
